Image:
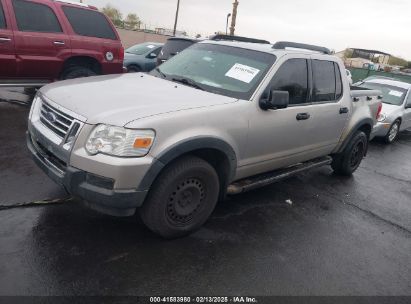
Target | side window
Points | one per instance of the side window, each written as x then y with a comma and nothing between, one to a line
89,23
324,80
2,17
35,17
292,76
338,82
157,51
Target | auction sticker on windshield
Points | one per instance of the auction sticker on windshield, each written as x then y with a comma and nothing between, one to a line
395,93
242,72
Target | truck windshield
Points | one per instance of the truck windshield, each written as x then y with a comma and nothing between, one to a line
225,70
390,94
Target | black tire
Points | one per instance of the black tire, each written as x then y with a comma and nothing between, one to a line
133,69
77,72
182,198
392,134
350,159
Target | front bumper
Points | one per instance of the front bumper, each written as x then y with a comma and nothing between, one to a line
96,191
380,129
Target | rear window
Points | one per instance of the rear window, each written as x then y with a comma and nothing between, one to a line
89,23
173,47
2,19
327,86
35,17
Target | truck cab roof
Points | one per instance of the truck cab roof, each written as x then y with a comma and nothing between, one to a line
269,48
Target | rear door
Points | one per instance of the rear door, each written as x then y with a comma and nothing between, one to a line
330,106
40,42
7,54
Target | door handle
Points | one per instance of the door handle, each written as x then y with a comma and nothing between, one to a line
303,116
344,110
4,39
59,42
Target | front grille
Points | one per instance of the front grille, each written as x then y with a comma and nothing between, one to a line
55,120
52,159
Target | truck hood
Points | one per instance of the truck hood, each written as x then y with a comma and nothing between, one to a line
120,99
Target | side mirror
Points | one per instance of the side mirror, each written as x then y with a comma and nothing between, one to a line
275,100
152,55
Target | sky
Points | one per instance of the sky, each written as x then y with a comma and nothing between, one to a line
371,24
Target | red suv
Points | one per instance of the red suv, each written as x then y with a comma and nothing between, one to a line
47,40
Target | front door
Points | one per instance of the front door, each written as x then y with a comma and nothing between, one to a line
39,40
7,54
278,138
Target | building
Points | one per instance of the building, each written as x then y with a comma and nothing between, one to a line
363,58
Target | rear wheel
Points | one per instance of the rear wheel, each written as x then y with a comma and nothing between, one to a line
182,198
393,132
77,72
348,161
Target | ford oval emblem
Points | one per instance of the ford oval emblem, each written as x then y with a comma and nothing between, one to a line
51,117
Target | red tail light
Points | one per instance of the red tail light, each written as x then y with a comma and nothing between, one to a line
379,110
121,54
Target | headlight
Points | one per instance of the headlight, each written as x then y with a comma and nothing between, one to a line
118,141
33,104
381,117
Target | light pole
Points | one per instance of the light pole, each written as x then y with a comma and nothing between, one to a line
226,27
175,22
234,17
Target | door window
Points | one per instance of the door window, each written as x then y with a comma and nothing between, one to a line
327,81
89,23
2,18
35,17
292,76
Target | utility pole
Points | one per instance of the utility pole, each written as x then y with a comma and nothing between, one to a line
175,22
234,17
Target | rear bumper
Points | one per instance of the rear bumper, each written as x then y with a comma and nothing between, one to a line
96,191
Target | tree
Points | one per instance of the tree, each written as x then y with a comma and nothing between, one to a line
397,61
132,22
348,53
409,64
114,14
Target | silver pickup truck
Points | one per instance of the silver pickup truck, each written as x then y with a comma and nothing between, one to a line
219,118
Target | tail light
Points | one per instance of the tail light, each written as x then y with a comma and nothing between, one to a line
379,110
121,54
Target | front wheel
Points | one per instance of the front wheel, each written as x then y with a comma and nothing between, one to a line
347,162
393,132
182,198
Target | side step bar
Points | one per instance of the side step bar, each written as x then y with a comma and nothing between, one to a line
265,179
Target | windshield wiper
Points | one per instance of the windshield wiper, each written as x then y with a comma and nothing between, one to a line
161,73
189,82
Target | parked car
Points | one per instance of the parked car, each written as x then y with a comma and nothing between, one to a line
173,46
396,110
45,40
219,118
142,57
349,76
